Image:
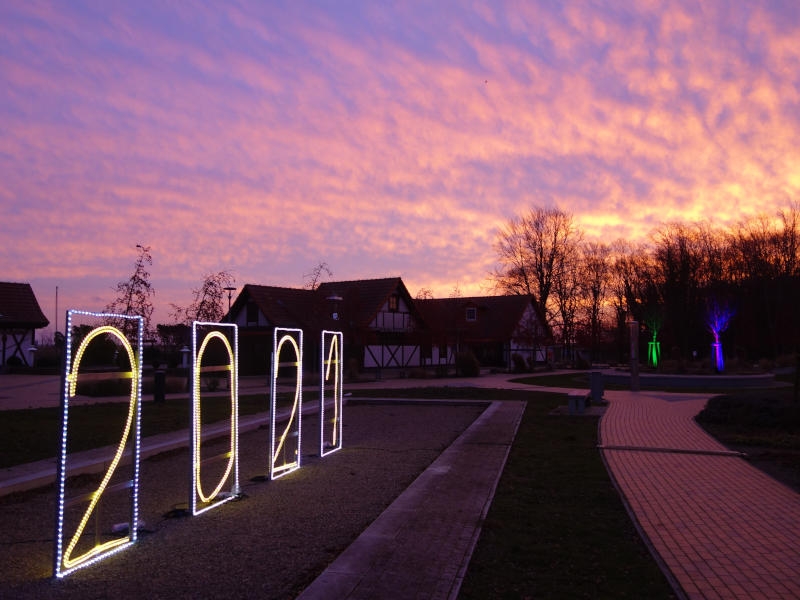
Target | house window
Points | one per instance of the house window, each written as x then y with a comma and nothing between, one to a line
472,313
394,303
252,312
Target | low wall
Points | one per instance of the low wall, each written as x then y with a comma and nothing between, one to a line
691,381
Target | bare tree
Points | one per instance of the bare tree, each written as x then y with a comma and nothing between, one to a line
135,295
567,294
424,294
456,291
532,251
312,279
595,259
208,304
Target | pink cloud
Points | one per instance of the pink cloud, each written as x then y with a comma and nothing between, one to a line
261,139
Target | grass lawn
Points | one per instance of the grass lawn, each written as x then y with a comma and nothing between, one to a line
556,527
765,424
580,380
35,434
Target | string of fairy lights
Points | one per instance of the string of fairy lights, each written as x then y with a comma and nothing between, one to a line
64,563
284,452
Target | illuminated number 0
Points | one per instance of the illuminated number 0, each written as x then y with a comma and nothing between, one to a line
233,455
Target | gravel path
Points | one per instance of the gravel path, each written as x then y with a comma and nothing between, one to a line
269,545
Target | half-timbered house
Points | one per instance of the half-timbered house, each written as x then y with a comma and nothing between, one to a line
493,328
378,317
20,317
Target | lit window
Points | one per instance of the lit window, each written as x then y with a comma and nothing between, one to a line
394,302
472,314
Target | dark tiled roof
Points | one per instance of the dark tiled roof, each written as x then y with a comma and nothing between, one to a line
289,307
361,299
19,308
497,316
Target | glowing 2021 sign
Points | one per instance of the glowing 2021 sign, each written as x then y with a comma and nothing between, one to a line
64,562
330,433
232,466
285,453
285,450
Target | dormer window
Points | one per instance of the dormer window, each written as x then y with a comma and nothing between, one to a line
472,313
394,303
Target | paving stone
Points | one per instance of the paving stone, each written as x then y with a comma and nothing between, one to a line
722,527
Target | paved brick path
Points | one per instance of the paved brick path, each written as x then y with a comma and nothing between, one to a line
420,546
722,527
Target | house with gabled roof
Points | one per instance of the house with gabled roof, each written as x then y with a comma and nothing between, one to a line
384,327
380,322
20,317
494,328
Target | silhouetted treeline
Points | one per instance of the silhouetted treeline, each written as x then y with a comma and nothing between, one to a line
667,283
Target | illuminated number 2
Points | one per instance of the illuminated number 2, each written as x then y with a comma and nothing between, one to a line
65,563
293,425
334,427
233,455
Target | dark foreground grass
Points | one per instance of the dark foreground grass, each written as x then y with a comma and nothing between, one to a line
581,381
556,527
764,424
35,434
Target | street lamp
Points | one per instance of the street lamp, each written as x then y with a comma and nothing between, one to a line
633,330
230,291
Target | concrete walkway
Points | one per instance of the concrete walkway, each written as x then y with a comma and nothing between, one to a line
722,528
420,546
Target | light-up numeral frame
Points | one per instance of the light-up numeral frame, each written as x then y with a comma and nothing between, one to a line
331,363
216,497
285,450
63,561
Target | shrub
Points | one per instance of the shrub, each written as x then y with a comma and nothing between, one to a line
351,369
104,387
765,365
752,411
519,363
467,364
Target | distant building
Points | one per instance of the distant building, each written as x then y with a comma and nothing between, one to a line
384,327
377,316
493,328
20,317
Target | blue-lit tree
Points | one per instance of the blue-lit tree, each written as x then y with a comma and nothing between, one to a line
718,317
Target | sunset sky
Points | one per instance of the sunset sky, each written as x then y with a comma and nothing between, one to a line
262,137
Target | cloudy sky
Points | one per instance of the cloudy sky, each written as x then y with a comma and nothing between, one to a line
263,137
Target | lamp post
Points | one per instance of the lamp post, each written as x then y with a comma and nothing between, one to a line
230,291
633,329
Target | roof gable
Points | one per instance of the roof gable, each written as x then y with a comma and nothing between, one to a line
496,317
19,307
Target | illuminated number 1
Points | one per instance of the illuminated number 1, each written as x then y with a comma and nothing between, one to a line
233,455
64,562
335,361
293,425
